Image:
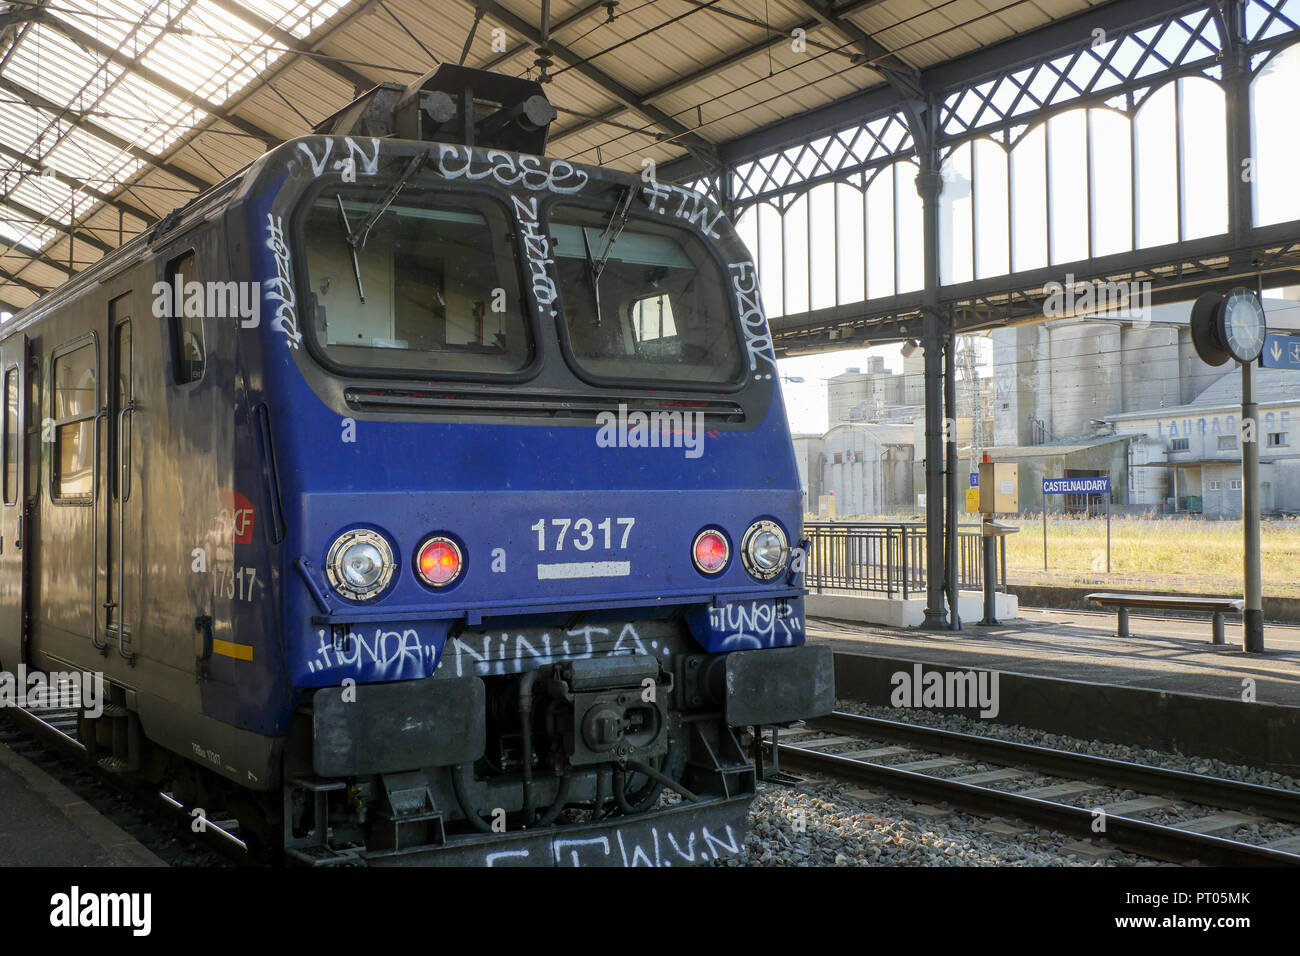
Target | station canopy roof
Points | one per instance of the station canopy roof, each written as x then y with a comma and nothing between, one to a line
114,112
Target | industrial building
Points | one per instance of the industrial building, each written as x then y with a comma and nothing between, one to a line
1080,397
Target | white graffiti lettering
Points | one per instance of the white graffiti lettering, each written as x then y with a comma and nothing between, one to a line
755,624
280,289
692,207
537,250
531,172
631,849
758,340
355,160
507,653
399,651
492,858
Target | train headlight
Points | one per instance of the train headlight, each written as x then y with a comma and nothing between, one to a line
360,564
765,550
711,551
438,561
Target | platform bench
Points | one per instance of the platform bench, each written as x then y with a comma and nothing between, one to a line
1217,607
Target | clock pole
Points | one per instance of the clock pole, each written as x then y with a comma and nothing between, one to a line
1253,619
1233,327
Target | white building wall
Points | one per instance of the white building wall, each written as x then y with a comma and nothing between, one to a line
1015,363
880,481
1147,485
1194,375
855,483
807,455
1201,431
1150,368
914,378
1085,379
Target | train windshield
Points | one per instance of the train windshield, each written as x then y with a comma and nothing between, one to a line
417,284
642,299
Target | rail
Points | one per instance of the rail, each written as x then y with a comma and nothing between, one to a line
970,788
885,557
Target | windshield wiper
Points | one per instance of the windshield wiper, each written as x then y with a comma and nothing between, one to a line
352,249
613,229
356,239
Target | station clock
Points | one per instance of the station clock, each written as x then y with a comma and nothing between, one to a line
1228,326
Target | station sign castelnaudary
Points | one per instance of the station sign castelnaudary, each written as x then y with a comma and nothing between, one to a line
1076,486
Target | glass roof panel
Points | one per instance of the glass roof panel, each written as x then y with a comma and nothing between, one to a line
210,51
17,229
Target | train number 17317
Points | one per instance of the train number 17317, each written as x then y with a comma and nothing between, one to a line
582,533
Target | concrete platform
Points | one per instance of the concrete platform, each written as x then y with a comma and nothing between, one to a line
899,611
43,823
1067,672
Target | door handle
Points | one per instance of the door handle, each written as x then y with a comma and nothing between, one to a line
101,646
122,458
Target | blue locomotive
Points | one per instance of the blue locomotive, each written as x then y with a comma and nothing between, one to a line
421,499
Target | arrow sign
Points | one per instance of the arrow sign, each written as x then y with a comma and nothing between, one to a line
1280,351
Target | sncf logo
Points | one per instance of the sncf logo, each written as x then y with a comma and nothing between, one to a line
237,514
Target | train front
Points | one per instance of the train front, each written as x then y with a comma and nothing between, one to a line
540,566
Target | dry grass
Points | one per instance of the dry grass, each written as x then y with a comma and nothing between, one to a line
1176,554
1172,554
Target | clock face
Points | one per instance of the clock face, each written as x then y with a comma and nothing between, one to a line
1243,325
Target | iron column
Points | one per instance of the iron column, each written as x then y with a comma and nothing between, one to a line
929,183
950,436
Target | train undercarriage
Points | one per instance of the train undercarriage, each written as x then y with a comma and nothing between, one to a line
594,754
616,759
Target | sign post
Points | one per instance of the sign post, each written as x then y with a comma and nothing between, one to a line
1077,486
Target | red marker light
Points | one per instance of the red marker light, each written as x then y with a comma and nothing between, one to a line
438,562
711,551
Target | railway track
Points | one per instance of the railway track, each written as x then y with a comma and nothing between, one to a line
907,760
48,737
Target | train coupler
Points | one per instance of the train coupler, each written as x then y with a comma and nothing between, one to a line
616,709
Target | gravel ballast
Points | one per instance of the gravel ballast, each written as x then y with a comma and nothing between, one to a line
824,822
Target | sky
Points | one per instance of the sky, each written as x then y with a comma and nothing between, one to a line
806,401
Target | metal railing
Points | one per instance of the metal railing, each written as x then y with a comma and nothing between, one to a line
884,557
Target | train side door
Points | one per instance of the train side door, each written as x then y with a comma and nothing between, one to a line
13,503
122,514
